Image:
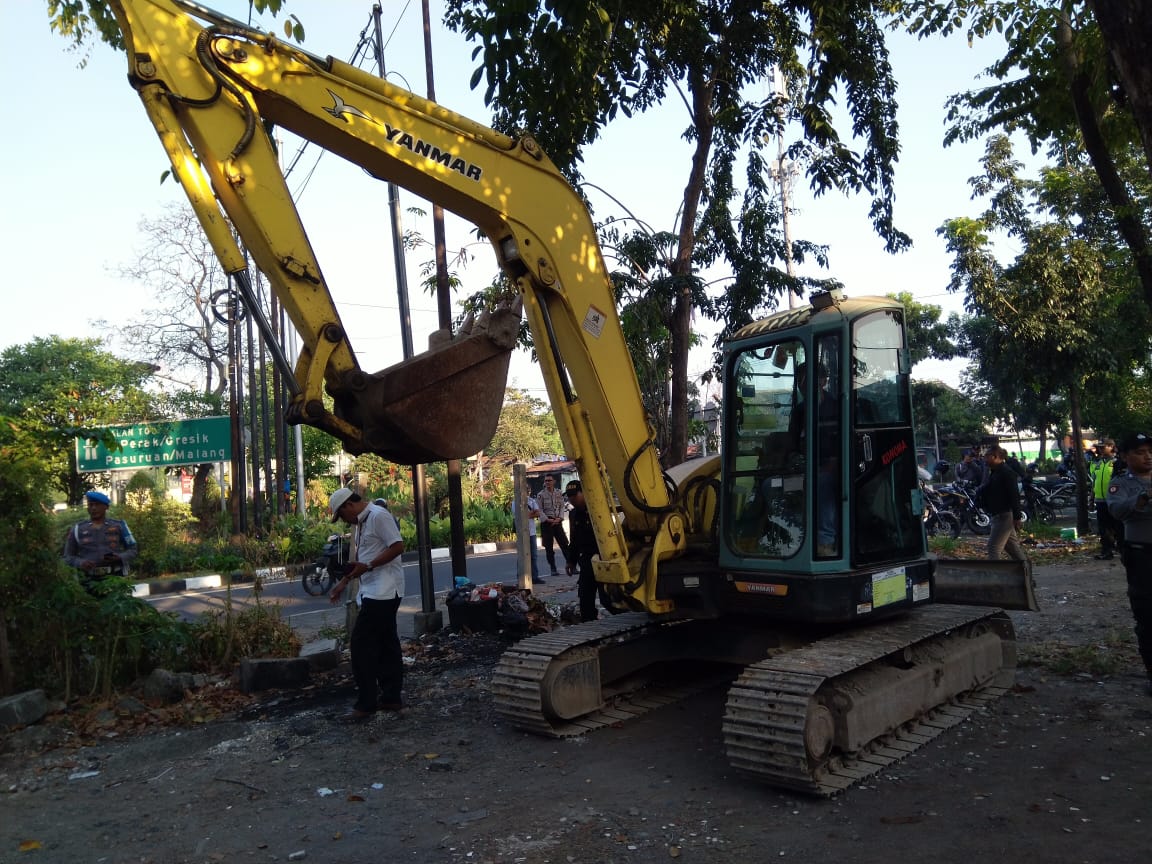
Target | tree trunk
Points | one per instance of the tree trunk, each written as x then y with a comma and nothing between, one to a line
203,510
1127,30
681,269
7,674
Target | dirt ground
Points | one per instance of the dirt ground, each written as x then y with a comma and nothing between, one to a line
1060,770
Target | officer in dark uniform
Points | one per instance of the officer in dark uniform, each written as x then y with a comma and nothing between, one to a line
99,547
1128,497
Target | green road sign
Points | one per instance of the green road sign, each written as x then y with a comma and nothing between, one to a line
159,445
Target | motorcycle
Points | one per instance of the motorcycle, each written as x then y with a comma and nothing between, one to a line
957,498
938,522
330,567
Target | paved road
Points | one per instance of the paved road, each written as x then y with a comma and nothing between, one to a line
315,612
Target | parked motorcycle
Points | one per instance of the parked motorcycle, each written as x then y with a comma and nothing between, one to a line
330,567
938,522
958,498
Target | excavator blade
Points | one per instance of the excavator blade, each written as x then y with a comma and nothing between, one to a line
983,582
442,404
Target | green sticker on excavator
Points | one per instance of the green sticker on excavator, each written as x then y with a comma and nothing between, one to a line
888,586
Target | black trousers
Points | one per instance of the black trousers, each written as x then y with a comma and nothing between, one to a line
549,533
1111,529
1137,560
376,660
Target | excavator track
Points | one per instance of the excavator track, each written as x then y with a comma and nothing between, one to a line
786,716
531,680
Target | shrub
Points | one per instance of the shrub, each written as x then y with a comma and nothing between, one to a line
221,635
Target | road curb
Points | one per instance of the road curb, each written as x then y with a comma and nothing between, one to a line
292,571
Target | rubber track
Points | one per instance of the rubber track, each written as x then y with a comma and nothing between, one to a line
516,681
767,707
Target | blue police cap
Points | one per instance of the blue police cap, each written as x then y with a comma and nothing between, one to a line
98,497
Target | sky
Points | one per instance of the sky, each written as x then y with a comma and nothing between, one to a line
81,166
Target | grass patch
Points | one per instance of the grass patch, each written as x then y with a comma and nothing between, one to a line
1110,656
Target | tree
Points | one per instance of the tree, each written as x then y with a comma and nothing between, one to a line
85,20
61,389
1127,34
1056,84
186,332
1064,310
928,336
526,428
566,70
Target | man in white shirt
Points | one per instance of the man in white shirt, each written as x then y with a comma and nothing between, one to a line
377,664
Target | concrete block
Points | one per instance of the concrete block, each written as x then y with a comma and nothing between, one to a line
23,709
273,673
321,654
141,589
427,622
212,581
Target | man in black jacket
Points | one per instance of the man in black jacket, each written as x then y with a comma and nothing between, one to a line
583,549
1000,498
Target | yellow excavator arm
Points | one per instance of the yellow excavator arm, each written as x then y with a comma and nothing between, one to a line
212,87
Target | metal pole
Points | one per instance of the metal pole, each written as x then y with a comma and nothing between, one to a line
784,179
935,431
419,498
253,438
444,312
523,540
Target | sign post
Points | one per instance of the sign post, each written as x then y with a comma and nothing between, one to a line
162,444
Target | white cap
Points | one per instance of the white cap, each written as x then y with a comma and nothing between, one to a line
338,499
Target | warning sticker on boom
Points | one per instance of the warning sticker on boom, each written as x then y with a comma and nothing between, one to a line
594,321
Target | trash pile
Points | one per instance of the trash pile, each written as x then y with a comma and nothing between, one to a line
497,608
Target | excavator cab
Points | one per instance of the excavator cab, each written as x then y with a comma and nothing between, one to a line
821,514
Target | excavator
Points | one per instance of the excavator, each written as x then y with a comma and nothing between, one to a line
793,564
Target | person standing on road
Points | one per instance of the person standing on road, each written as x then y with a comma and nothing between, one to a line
1000,498
553,506
377,664
1101,470
1128,501
99,547
583,548
533,510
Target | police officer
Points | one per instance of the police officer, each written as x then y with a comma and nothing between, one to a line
1128,502
99,547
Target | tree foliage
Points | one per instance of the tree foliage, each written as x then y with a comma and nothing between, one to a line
525,430
1056,84
1062,318
185,333
565,70
60,389
928,336
81,21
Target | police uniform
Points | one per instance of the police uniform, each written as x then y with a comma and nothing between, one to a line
87,541
1128,501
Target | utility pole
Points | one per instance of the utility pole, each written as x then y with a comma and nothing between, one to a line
783,172
429,620
444,313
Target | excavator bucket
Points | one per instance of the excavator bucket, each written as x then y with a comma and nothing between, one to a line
983,582
441,404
